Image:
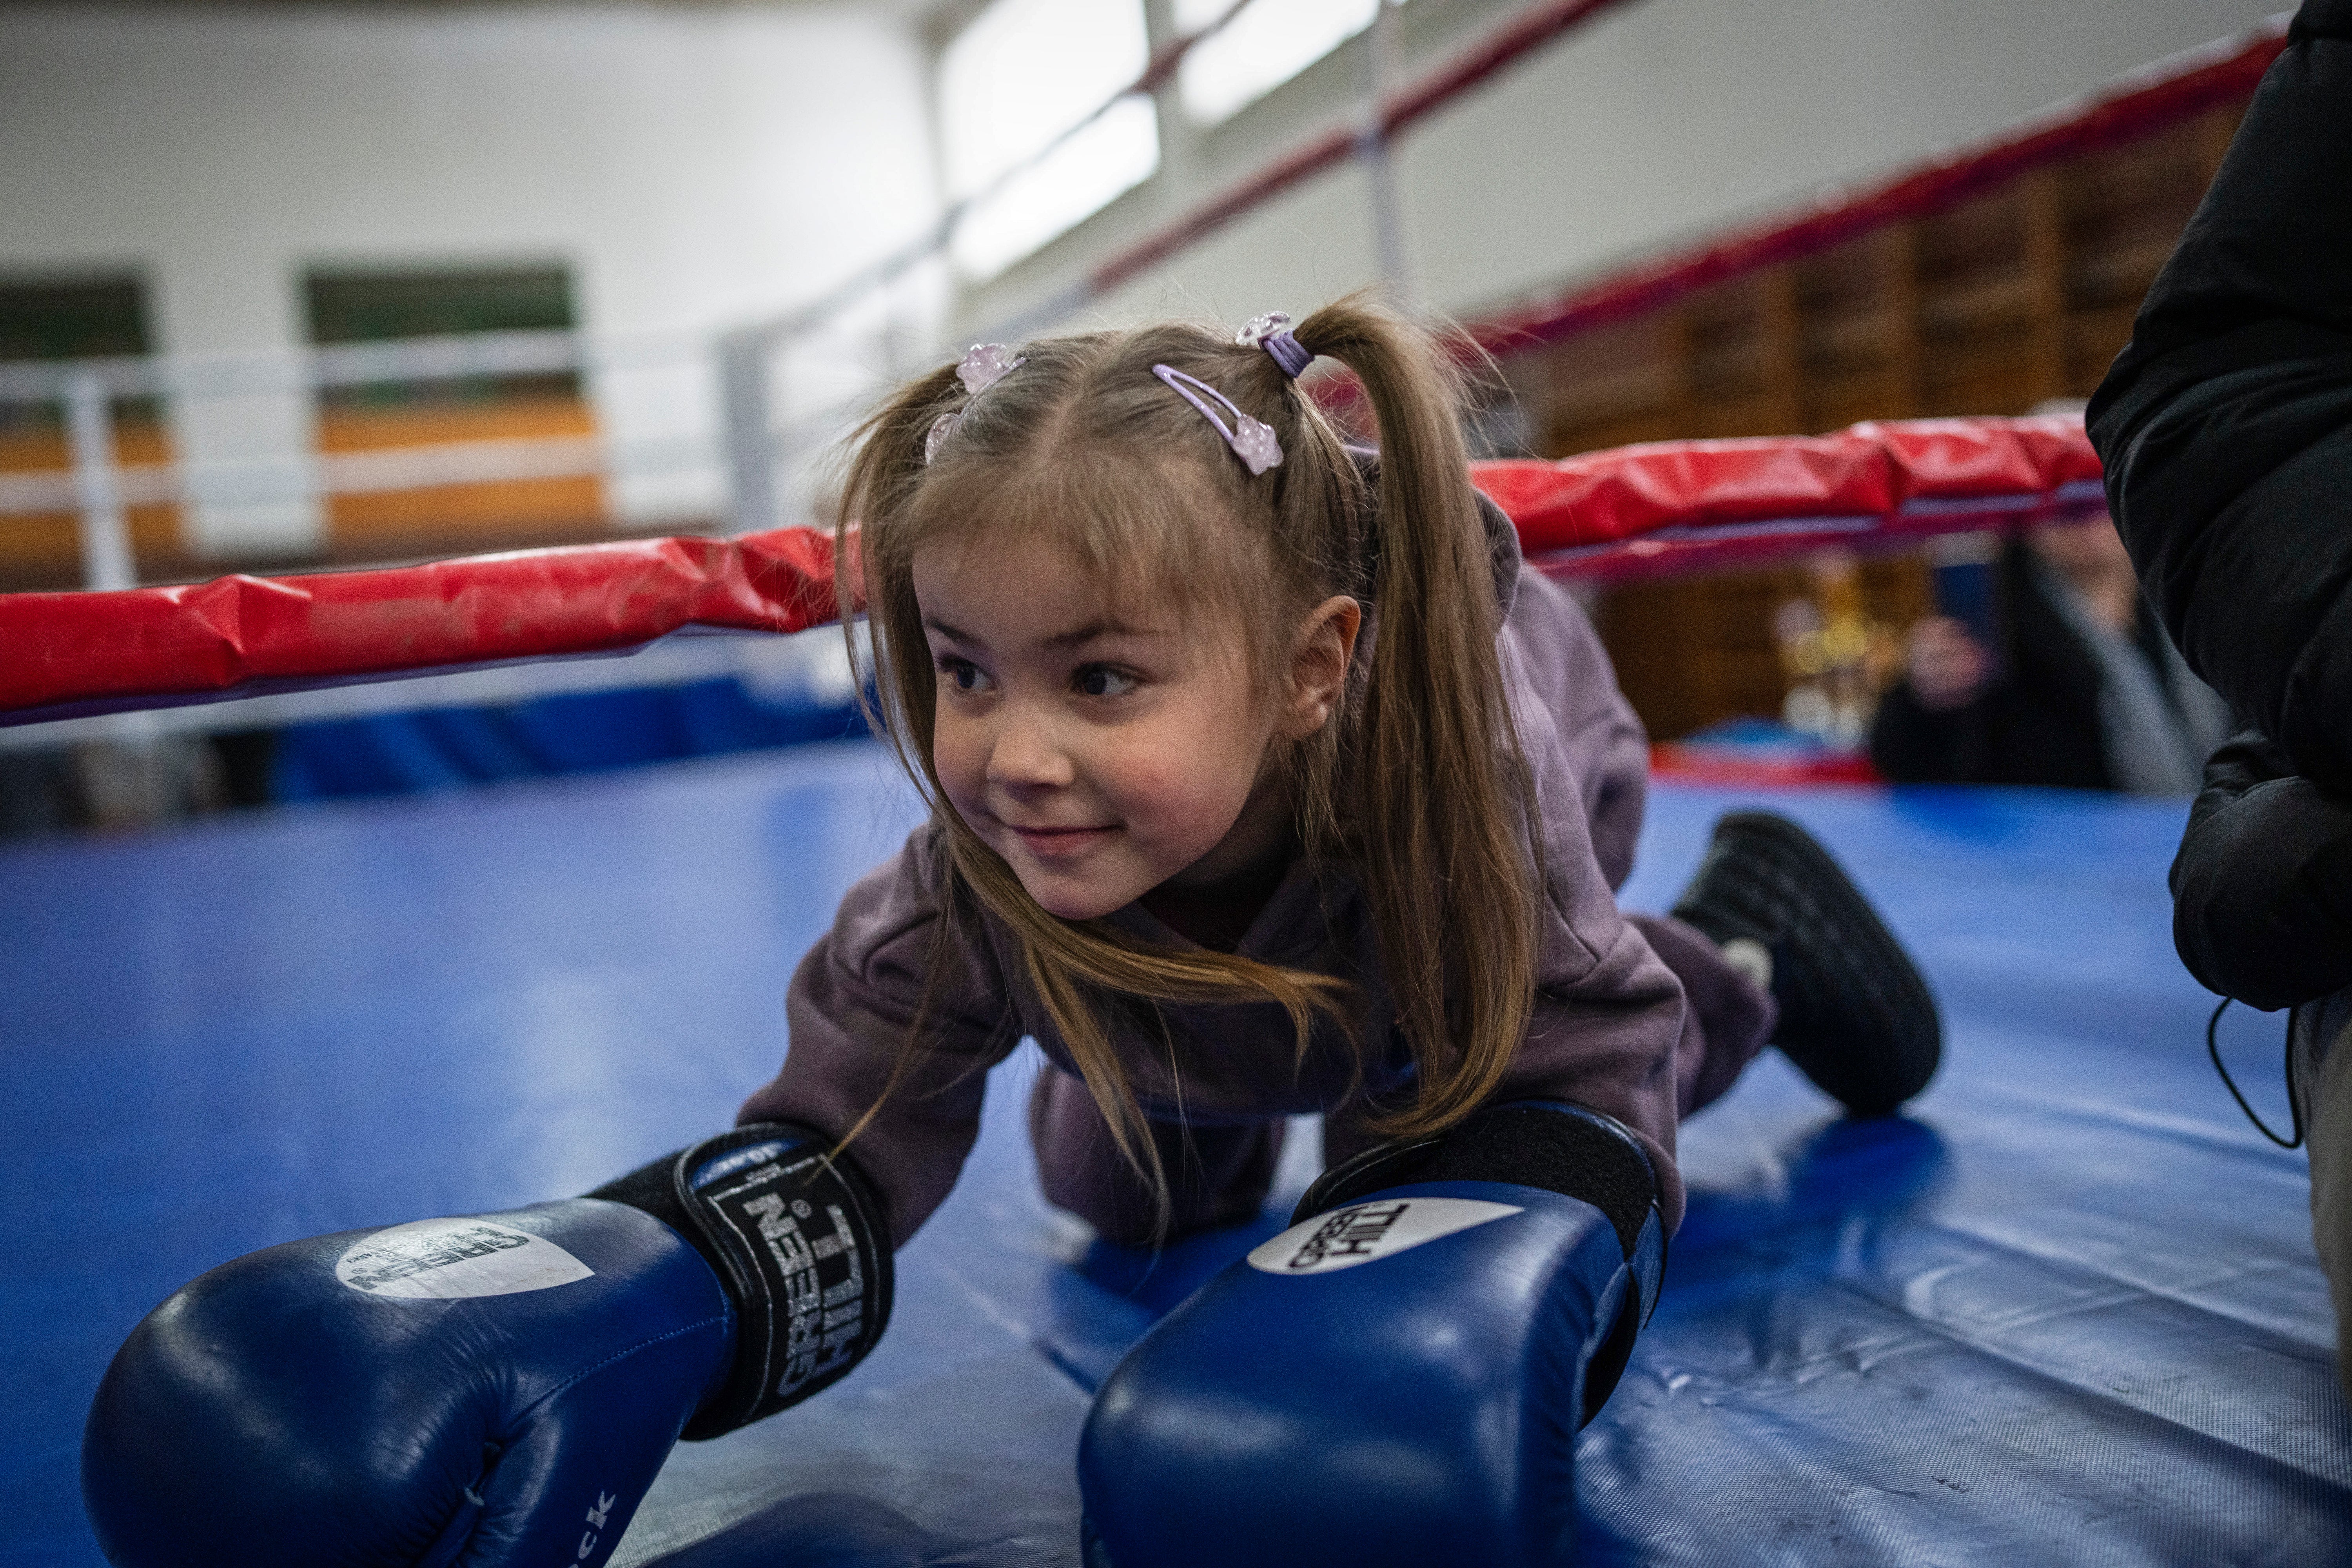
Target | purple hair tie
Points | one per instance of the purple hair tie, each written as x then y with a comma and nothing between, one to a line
1271,333
1252,442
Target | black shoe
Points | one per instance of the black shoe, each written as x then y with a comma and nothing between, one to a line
1855,1014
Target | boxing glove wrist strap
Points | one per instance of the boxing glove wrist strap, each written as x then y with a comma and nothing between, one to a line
1568,1148
801,1242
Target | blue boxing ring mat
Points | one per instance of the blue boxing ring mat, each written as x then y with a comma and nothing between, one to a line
2066,1311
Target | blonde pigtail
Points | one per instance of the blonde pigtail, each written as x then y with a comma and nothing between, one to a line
1452,884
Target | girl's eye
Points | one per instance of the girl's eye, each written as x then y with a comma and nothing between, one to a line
963,675
1100,680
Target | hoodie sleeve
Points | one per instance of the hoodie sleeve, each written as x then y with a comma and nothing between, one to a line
1608,1018
1600,737
892,960
2226,423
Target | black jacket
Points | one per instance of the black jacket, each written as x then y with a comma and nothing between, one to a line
2226,425
2226,430
2037,721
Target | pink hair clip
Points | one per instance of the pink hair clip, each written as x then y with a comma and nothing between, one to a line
1252,442
981,367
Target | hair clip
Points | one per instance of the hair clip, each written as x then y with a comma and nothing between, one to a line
1252,442
981,367
1271,333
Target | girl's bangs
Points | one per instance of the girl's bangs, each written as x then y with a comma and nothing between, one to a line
1132,525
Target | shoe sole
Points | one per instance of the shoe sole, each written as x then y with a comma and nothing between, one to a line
1907,995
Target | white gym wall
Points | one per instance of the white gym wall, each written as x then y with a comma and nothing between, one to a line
693,165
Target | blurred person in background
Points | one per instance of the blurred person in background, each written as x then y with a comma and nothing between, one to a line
2072,683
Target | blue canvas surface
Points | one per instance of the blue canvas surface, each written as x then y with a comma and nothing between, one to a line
2067,1312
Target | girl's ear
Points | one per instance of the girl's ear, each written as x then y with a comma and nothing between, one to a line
1318,665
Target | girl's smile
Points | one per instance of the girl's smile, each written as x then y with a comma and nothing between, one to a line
1050,842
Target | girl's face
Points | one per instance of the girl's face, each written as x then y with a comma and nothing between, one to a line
1102,748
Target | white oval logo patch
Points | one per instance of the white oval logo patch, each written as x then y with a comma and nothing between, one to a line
445,1259
1363,1232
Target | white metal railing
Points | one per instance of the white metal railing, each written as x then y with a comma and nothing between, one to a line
292,476
726,443
456,357
106,558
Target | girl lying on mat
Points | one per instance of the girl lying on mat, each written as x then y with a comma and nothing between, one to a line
1263,779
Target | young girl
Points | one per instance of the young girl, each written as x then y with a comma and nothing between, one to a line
1264,780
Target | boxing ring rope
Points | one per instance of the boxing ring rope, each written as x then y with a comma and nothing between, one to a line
1676,506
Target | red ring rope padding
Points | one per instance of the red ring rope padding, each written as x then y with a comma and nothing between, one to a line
63,655
1670,505
1677,507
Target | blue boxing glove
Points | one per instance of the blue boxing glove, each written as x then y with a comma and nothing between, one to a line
499,1389
1399,1377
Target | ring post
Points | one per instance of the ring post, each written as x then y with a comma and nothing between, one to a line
106,561
750,453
